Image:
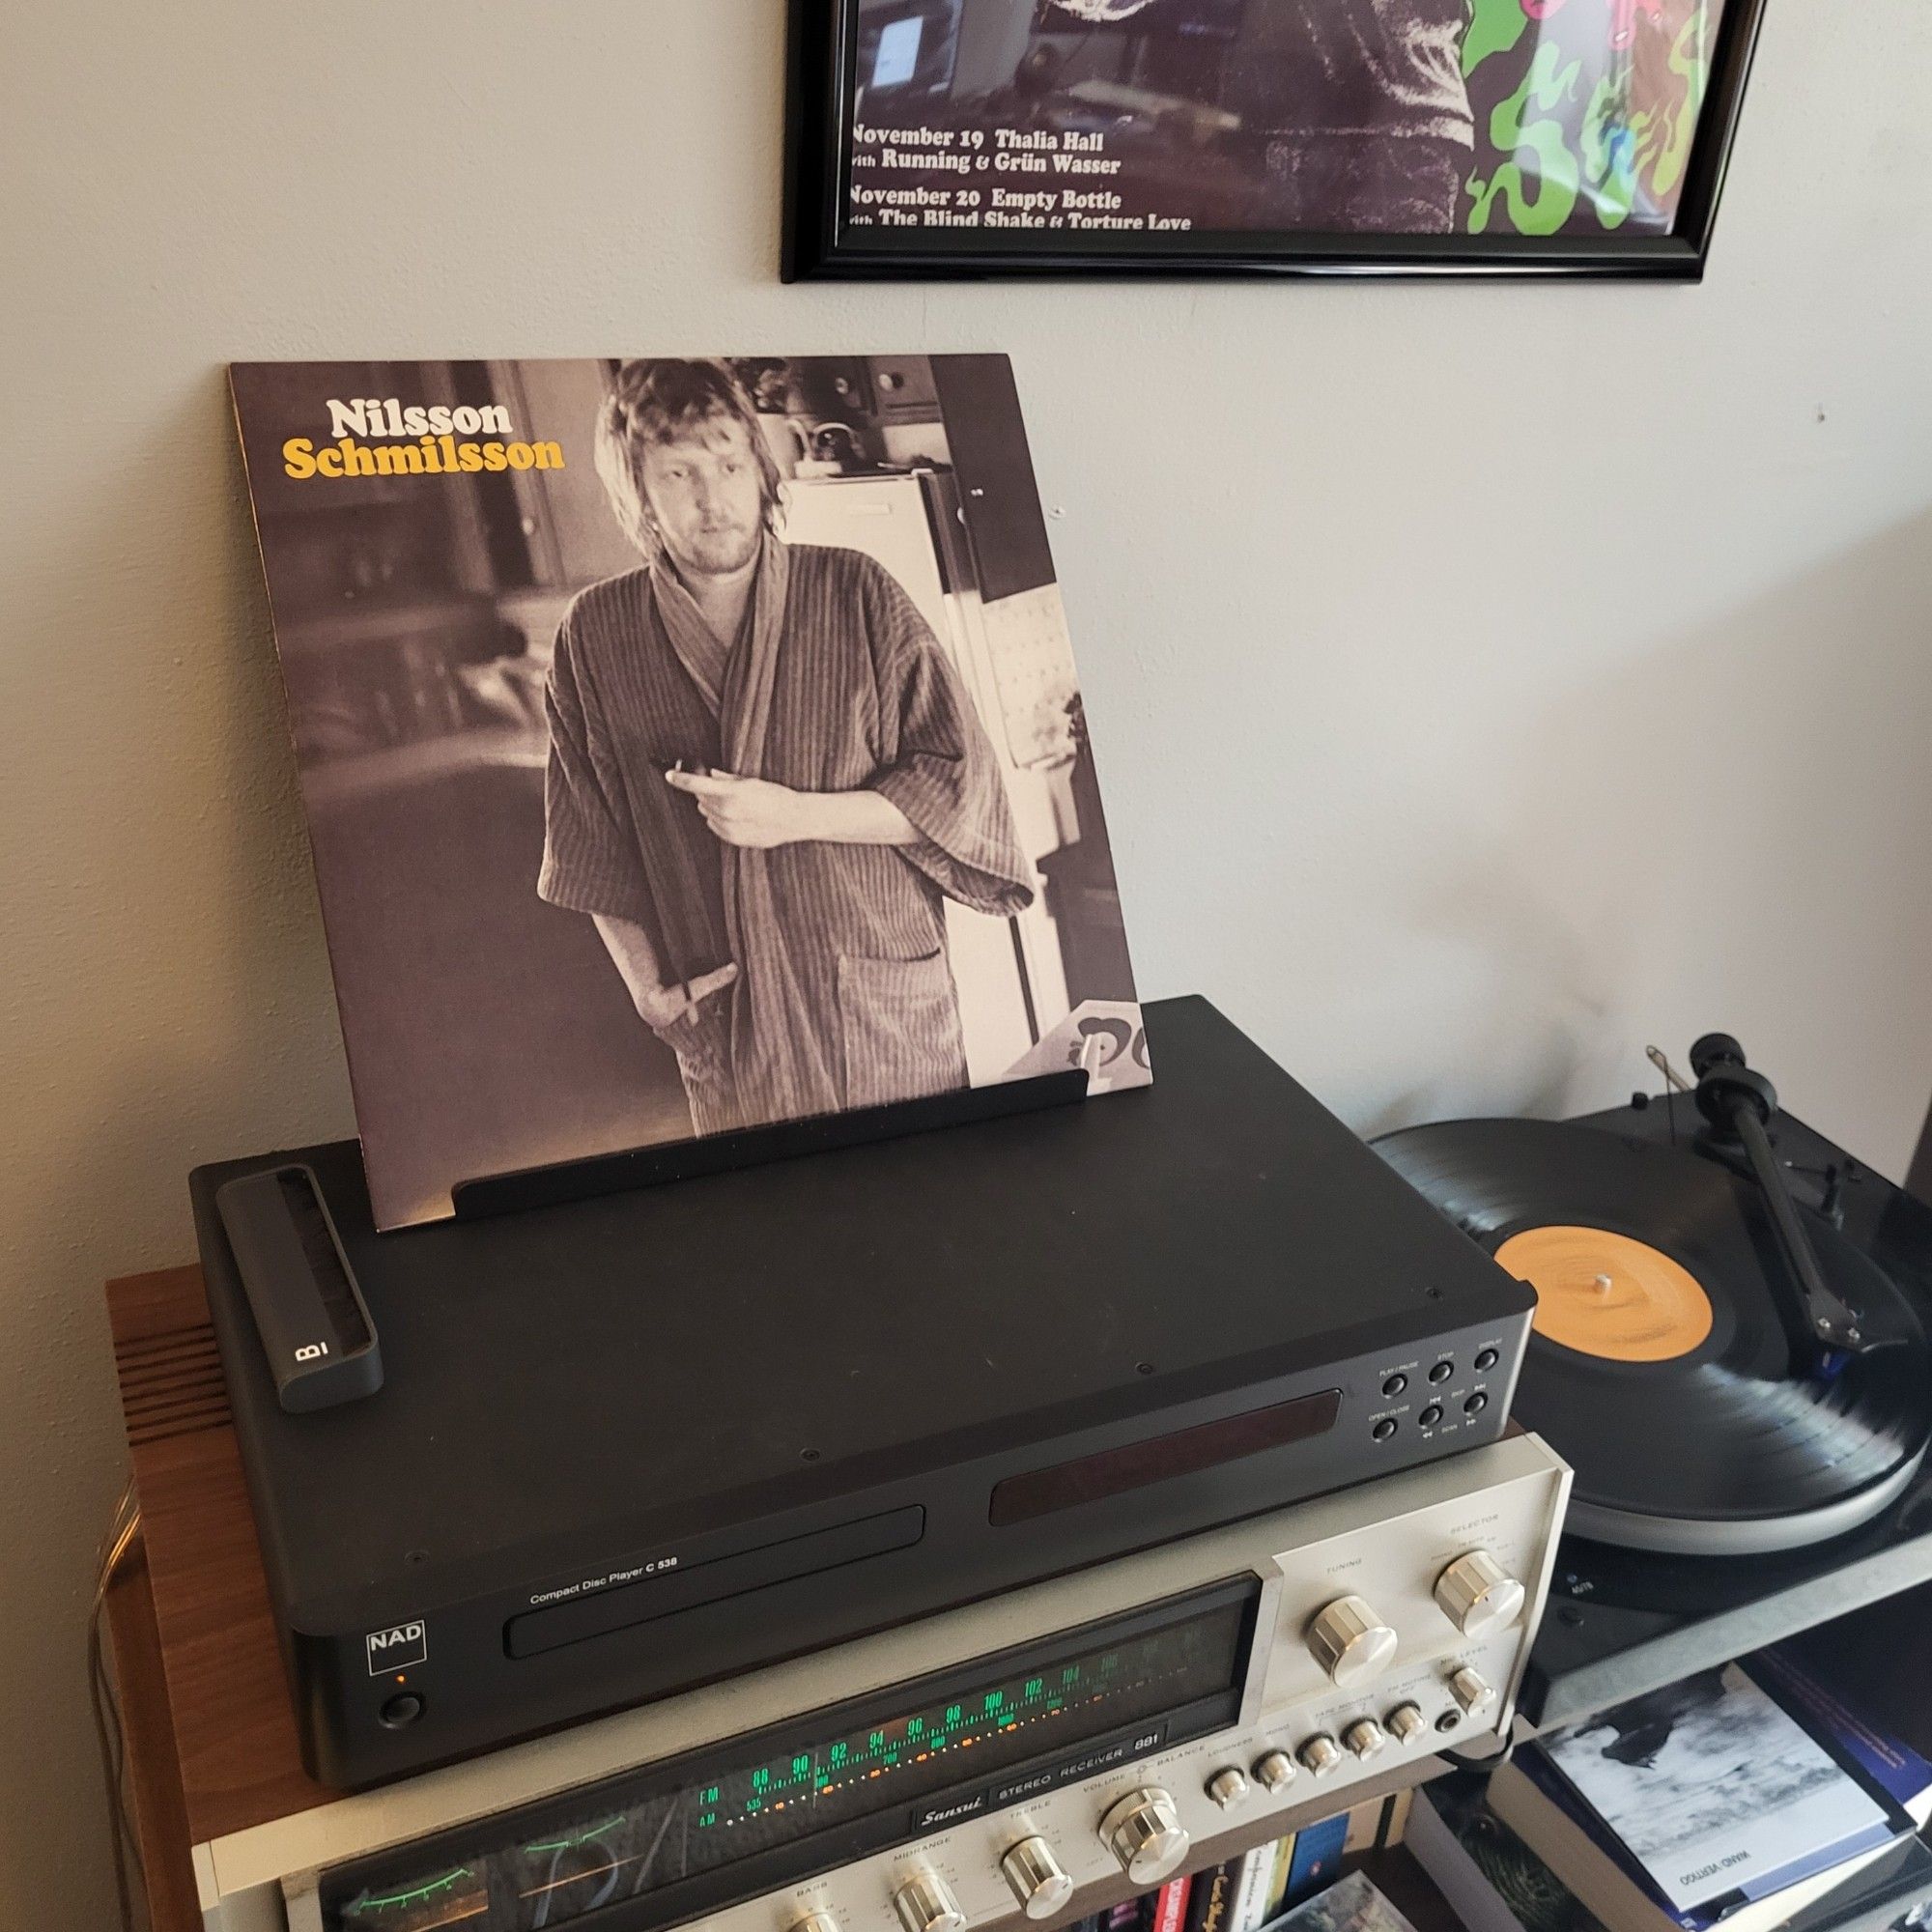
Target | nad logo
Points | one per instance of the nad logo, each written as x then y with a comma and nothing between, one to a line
396,1648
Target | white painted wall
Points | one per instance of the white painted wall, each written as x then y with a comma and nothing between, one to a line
1489,679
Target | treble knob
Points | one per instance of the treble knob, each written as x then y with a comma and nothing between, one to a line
1037,1878
1350,1642
926,1904
1478,1595
1144,1833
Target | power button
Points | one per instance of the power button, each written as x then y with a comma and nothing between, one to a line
404,1708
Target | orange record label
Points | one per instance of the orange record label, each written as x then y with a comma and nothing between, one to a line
1609,1295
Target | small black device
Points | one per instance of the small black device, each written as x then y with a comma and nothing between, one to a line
638,1443
315,1328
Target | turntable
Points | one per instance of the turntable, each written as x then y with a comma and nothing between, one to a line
1730,1349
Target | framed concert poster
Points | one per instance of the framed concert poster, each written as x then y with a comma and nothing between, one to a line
996,137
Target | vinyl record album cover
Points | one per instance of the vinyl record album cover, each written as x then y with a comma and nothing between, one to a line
687,745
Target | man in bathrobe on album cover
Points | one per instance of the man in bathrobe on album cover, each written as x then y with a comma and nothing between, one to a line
765,779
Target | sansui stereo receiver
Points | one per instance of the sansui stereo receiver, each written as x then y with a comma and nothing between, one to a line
630,1445
1034,1756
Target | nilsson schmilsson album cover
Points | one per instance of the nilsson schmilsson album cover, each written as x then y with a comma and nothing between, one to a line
687,745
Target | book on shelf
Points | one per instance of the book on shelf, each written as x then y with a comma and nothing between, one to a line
1350,1904
1493,1882
1706,1801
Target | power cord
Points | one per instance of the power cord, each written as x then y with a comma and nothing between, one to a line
108,1734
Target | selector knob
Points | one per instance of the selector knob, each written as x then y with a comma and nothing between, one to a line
1229,1788
1320,1755
1274,1771
1365,1738
1478,1595
1406,1723
924,1904
1470,1689
1144,1832
1350,1642
1038,1881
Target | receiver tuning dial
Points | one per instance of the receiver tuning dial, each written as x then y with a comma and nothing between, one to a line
1038,1881
924,1904
1350,1642
1144,1832
1478,1595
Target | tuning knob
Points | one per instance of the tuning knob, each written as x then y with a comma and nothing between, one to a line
924,1904
1038,1881
1274,1771
1471,1690
1350,1642
1478,1595
1144,1832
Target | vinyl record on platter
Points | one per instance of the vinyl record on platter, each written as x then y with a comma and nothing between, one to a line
1662,1364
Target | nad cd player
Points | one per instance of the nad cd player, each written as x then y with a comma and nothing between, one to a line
1040,1755
634,1444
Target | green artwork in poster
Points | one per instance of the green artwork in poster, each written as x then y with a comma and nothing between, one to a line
1585,112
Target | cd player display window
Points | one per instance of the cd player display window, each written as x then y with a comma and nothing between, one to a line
756,1812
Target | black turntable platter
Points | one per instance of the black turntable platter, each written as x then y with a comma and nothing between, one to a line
1669,1362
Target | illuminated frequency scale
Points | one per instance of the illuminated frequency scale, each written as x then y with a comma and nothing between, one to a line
1022,1758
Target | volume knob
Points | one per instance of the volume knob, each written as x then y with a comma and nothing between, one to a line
1038,1881
1350,1642
924,1904
1478,1595
1144,1832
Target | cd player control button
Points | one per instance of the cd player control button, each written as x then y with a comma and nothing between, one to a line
1274,1771
1365,1738
1229,1788
1477,1595
1144,1832
1431,1415
1350,1642
1384,1429
1038,1881
1406,1724
1476,1404
1441,1372
404,1708
1320,1755
1487,1359
1471,1690
925,1905
1395,1384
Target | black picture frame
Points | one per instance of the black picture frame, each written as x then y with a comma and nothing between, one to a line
820,244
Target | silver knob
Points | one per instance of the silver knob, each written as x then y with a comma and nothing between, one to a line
1321,1753
1478,1595
1350,1642
1365,1738
815,1921
1406,1724
1038,1881
1229,1788
1470,1689
1144,1832
1274,1771
924,1904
